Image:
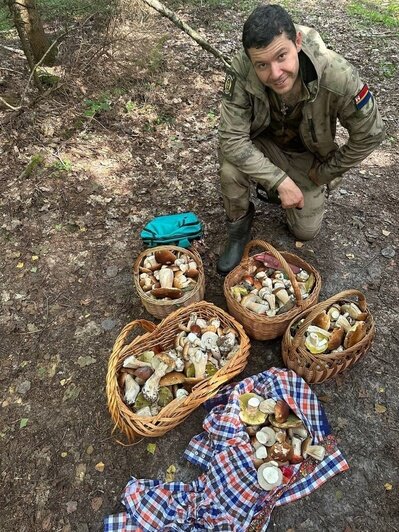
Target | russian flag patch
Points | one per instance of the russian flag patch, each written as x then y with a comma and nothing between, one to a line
362,97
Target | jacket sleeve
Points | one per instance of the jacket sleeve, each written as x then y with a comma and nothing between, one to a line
235,141
365,128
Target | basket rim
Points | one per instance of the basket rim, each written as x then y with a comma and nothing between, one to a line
168,302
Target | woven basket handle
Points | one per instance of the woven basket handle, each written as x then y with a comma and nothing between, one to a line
148,326
299,338
280,258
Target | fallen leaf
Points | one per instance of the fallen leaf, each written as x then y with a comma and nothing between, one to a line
151,448
33,269
20,265
96,503
71,393
170,473
386,233
34,257
23,422
324,398
299,244
338,495
90,450
100,467
64,454
350,255
381,390
380,409
388,486
85,361
80,472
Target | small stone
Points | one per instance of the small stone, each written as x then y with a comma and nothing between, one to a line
80,472
90,450
388,252
90,329
23,388
72,506
112,271
108,324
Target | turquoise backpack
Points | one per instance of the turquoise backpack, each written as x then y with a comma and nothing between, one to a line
176,229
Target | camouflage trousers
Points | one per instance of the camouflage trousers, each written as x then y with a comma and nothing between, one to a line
304,224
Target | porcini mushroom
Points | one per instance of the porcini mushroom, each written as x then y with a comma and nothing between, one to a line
281,411
249,411
269,476
356,333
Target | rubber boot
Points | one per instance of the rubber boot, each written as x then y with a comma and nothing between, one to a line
238,233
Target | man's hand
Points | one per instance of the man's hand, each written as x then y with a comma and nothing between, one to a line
290,194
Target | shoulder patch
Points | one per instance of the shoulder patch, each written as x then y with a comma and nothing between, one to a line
362,97
229,84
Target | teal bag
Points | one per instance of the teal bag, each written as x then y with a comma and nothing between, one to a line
176,229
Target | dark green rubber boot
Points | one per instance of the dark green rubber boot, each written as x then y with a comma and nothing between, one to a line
238,233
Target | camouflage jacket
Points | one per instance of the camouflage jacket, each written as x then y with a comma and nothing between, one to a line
335,92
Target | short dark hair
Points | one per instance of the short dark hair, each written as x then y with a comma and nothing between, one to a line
264,24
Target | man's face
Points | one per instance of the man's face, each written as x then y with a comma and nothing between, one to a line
277,65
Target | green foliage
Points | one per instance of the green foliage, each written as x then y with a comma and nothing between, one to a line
5,19
95,107
212,117
56,10
156,58
387,69
386,13
61,167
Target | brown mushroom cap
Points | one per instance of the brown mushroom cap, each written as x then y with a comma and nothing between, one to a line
336,338
322,320
165,256
356,333
172,293
292,422
281,411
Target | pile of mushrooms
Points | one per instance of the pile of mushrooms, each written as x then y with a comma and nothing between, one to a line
279,439
167,275
338,328
269,291
152,379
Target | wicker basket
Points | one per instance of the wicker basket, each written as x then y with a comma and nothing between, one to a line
175,412
318,368
160,308
261,327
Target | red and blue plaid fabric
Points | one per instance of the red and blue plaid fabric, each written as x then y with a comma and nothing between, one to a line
227,496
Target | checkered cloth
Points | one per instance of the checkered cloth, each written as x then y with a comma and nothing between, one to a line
227,497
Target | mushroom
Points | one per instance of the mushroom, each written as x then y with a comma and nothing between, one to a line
150,262
302,276
354,311
281,411
342,322
287,306
209,340
172,293
199,359
166,277
192,271
356,333
281,452
261,453
336,338
249,412
151,386
292,422
315,451
132,389
270,436
226,343
296,456
134,363
267,406
269,476
322,320
165,256
334,312
300,431
181,281
254,303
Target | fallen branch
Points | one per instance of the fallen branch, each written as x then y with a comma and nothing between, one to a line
163,10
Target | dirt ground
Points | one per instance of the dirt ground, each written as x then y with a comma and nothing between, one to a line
69,232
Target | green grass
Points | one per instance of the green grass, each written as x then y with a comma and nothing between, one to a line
61,10
385,13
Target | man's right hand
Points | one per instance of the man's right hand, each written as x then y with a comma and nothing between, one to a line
290,194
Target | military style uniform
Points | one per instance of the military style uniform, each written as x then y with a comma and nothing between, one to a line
263,140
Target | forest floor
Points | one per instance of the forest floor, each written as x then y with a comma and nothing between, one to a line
132,133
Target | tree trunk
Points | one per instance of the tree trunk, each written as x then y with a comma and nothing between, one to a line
30,28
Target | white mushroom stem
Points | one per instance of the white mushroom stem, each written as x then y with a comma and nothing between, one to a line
133,363
199,359
151,386
132,389
316,451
